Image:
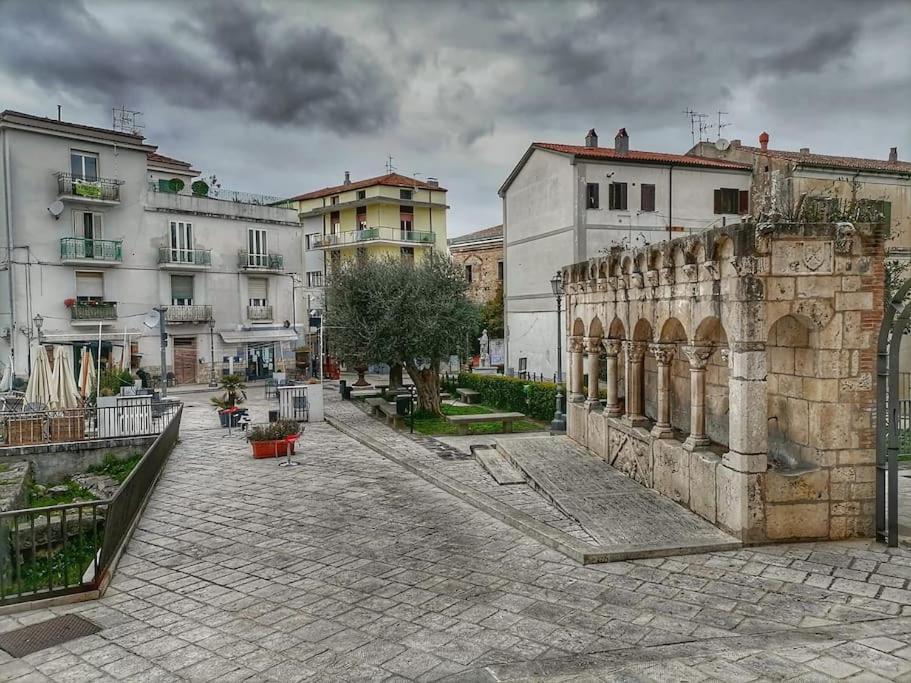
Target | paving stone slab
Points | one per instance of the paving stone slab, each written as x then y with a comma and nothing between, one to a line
498,466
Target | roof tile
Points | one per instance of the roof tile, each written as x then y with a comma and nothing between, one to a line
391,179
644,157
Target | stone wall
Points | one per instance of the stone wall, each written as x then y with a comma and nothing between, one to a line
748,357
484,269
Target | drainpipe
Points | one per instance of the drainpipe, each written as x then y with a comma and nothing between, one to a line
670,202
8,217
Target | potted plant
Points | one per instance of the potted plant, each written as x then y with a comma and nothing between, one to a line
270,440
232,387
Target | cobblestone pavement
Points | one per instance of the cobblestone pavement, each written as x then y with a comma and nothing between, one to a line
350,568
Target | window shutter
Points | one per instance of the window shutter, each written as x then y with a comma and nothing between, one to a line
744,202
257,288
719,202
623,203
181,286
90,285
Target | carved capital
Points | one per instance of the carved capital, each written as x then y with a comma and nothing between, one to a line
575,345
635,280
592,344
652,278
635,350
612,347
698,355
663,352
667,275
612,282
711,267
691,271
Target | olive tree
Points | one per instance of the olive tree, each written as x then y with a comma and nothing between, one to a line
386,310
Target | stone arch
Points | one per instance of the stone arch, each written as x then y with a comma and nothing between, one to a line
578,328
595,328
616,329
643,331
790,357
603,269
717,375
673,332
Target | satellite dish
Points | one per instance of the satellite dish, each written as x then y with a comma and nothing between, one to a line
151,319
721,144
56,209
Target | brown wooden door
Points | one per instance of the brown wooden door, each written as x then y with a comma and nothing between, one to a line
185,359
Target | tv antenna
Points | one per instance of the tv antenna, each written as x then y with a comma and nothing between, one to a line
722,125
697,124
389,167
126,120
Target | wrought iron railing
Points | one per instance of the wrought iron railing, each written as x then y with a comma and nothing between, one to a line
246,259
84,187
94,310
223,195
377,234
80,248
189,257
193,313
72,547
259,313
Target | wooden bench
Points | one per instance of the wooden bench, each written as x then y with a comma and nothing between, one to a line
463,422
375,404
468,395
392,415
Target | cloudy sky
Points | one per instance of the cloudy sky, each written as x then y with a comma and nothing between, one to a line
283,97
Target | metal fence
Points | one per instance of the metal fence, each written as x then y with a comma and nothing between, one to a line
904,427
904,386
132,418
71,548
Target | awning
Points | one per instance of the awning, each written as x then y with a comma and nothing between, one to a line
253,336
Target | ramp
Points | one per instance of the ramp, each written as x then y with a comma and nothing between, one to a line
625,517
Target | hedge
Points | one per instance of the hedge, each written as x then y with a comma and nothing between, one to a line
509,393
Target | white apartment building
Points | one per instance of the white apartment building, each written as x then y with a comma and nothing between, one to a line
98,229
565,203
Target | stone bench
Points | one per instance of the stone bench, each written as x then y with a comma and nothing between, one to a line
366,393
463,422
375,404
469,395
392,415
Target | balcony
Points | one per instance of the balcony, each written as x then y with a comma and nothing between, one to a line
236,205
93,313
376,235
273,263
80,251
88,190
193,313
259,313
184,259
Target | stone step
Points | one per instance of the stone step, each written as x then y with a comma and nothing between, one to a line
496,465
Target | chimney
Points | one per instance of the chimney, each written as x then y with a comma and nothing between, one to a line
804,150
621,141
893,154
763,141
736,143
347,177
591,140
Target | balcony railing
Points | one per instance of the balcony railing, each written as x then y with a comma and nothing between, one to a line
259,313
81,249
193,313
261,261
184,257
86,188
94,310
378,234
235,196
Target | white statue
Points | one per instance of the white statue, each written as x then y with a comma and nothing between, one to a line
484,343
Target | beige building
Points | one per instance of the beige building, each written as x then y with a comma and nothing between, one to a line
480,255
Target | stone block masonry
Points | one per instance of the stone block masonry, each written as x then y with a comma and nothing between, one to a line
748,385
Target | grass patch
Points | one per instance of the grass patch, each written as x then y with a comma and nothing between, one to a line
434,425
41,497
61,568
116,469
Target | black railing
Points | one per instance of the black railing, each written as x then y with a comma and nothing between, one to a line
87,187
82,424
71,548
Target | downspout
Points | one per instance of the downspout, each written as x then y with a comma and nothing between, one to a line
670,202
8,217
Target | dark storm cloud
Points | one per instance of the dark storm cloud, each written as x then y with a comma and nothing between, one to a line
814,54
224,55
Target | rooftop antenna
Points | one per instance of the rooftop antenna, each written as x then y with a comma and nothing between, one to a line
59,112
126,120
697,124
389,167
722,125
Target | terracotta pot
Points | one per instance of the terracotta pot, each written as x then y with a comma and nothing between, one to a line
269,449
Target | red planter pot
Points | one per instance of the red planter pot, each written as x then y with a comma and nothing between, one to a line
270,449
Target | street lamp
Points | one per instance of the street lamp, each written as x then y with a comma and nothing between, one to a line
39,321
559,422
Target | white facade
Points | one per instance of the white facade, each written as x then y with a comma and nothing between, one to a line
144,245
547,224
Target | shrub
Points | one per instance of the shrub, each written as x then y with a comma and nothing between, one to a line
535,399
274,431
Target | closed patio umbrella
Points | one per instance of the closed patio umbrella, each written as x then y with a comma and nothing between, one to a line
86,373
38,390
6,382
64,392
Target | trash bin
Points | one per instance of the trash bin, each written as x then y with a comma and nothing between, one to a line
403,404
346,393
341,386
273,416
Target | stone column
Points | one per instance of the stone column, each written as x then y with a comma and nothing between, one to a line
698,355
635,352
575,371
664,355
612,348
593,347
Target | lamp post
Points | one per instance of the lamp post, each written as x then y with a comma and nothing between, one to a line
213,382
39,321
558,424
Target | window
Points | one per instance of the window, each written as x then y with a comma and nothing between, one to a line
405,194
617,198
181,242
182,290
258,291
591,195
256,242
362,194
334,223
468,273
647,199
333,200
315,278
362,218
88,224
500,271
84,165
309,240
407,255
89,286
406,218
732,200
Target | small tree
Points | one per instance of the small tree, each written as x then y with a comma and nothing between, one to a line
389,311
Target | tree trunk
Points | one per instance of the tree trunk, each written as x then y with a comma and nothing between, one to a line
395,375
427,383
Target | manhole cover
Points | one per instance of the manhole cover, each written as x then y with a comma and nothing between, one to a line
28,639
